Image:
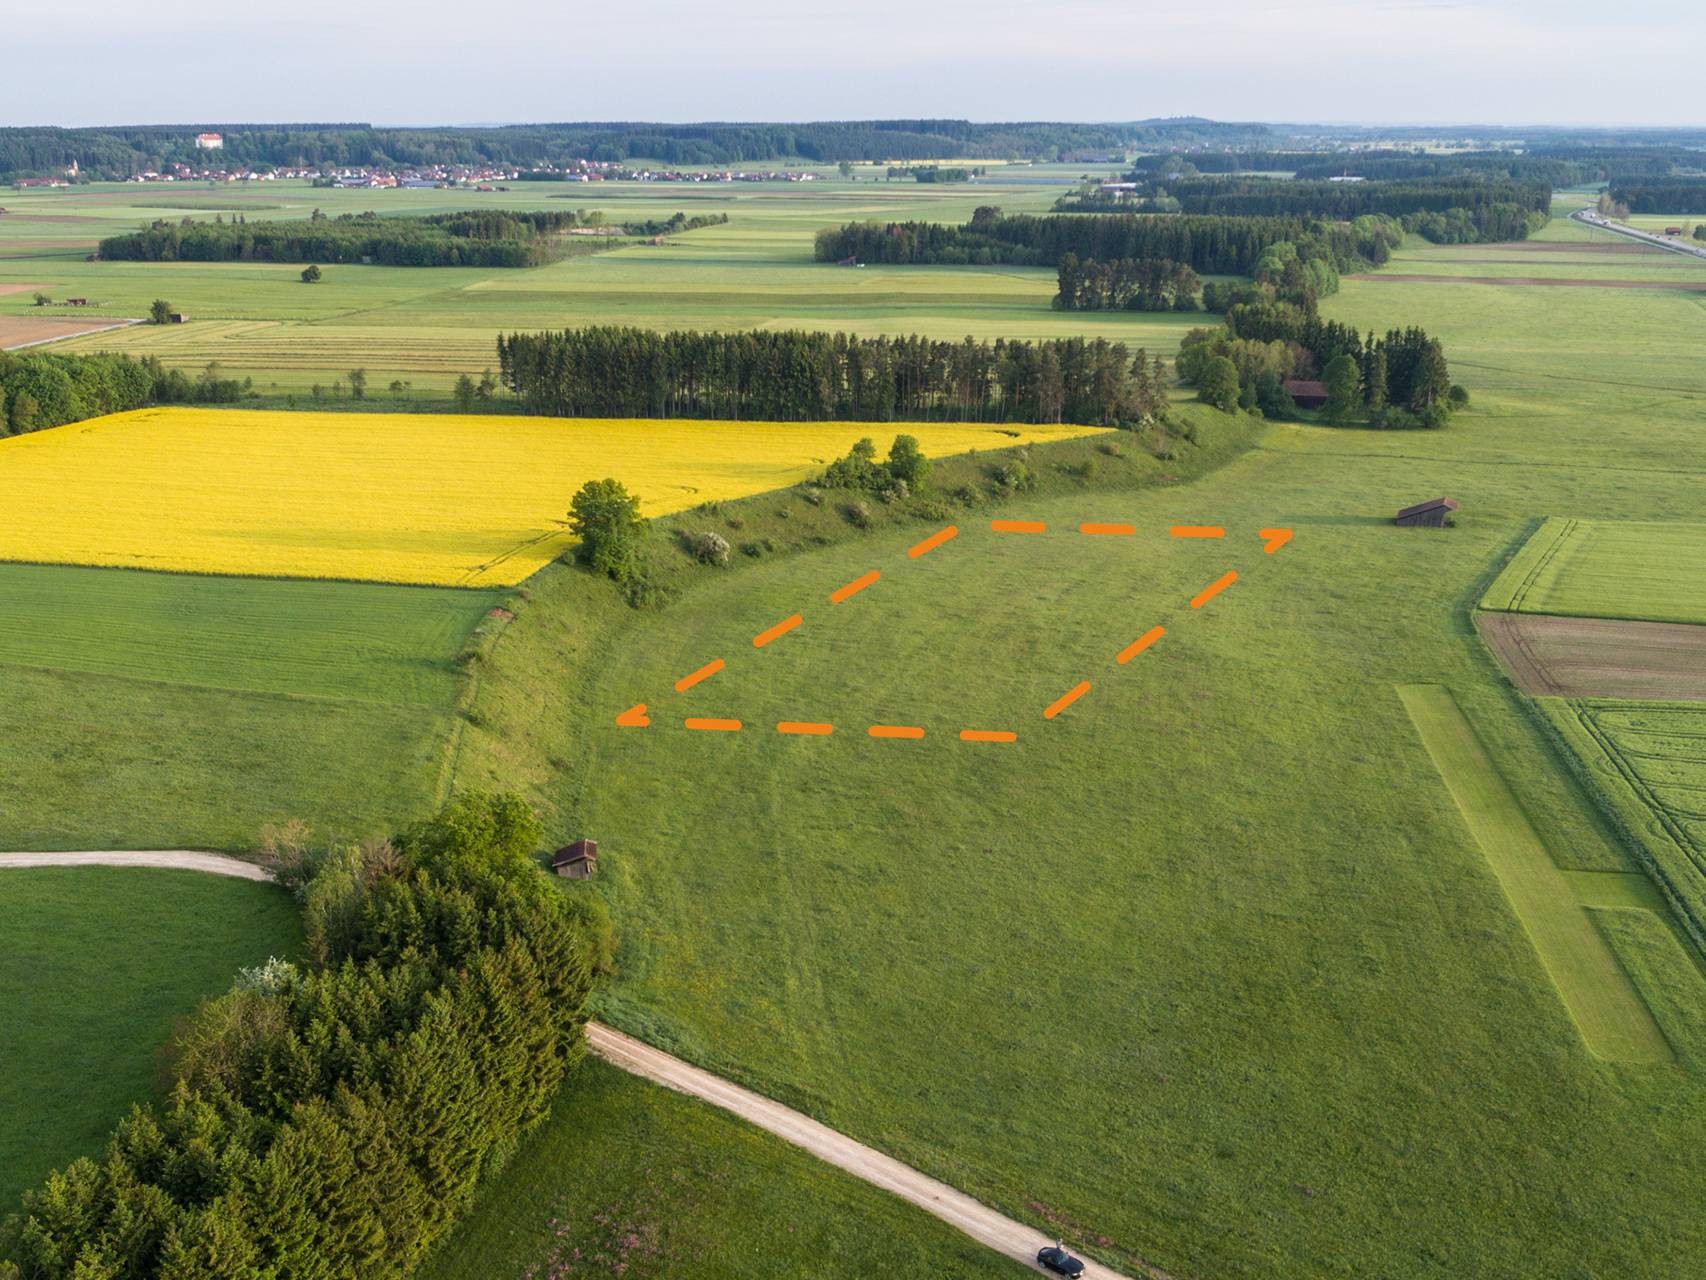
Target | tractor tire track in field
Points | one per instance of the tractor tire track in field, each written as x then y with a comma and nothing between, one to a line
1007,1236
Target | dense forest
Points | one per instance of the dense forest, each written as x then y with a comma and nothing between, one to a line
1683,196
1210,245
40,390
1127,284
334,1119
609,372
125,151
1549,165
464,239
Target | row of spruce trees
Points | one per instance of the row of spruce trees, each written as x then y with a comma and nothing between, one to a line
610,372
332,1121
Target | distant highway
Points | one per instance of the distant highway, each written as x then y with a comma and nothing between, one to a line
1673,243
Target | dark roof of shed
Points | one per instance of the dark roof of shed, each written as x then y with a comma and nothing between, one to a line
579,851
1432,504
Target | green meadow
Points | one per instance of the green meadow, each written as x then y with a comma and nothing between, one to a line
1211,966
141,710
95,964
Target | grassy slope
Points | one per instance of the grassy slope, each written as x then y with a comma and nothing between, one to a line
993,961
139,710
94,965
628,1178
1601,569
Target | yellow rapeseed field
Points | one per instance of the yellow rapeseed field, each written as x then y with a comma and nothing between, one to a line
426,498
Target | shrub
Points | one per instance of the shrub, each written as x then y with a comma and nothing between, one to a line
708,547
1110,448
858,515
813,495
893,489
311,274
606,518
1015,477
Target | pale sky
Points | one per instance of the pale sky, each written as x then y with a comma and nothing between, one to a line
434,62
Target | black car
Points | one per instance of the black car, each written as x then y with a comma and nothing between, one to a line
1059,1261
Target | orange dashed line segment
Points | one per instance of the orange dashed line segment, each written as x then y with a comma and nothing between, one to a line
1138,645
634,717
854,587
1214,588
1018,526
1273,539
987,735
704,673
1066,699
782,628
896,731
1197,531
805,726
933,541
1110,530
714,726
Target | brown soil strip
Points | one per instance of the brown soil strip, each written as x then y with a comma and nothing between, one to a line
20,288
1558,657
1535,280
29,331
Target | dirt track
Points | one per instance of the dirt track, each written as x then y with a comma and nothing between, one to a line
1699,287
17,332
983,1224
1556,657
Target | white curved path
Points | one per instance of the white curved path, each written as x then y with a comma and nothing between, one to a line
983,1224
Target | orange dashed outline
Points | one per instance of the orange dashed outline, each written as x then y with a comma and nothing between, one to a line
635,717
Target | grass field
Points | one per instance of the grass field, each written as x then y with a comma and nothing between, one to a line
1613,1019
152,709
95,963
630,1179
1603,569
1209,965
435,499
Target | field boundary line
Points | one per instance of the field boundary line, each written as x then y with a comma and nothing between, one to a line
1609,1013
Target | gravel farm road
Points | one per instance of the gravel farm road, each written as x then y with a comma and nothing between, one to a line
1003,1234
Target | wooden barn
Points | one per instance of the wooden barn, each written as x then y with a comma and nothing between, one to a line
1434,513
1308,395
577,861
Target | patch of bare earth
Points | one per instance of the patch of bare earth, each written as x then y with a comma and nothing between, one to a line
29,331
1542,280
1557,657
20,288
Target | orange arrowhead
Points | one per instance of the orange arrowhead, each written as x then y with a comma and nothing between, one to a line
1274,539
634,717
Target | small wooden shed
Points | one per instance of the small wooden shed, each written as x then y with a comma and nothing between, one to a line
1435,513
577,861
1307,394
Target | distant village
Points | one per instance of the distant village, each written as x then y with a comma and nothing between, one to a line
420,177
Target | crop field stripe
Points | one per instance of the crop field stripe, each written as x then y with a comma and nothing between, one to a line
704,673
776,632
1214,588
854,587
1608,1011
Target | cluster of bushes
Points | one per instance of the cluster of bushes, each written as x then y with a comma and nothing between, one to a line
611,372
906,472
332,1121
487,238
1401,380
1127,284
42,390
1208,244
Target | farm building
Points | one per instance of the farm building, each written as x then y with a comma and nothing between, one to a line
1434,513
209,142
1673,231
577,861
1309,395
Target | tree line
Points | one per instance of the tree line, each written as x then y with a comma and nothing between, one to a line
1342,201
1675,196
611,372
487,238
333,1120
41,390
1127,284
1550,165
1208,244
